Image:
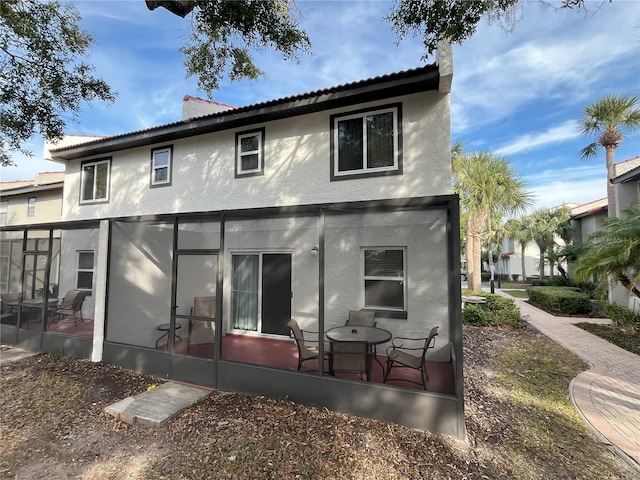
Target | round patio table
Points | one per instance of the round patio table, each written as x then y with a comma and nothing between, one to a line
371,335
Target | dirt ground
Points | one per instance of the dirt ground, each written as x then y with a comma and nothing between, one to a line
53,426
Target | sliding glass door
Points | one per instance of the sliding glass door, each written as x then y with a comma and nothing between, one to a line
262,292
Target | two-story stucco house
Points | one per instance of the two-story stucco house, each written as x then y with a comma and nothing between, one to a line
306,207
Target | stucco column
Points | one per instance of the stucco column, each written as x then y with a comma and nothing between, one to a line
100,279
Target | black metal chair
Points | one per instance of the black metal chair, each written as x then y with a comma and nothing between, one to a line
398,356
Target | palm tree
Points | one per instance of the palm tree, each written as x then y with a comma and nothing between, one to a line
546,225
614,252
521,231
608,119
486,183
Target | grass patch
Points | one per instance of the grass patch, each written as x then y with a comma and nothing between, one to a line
504,285
517,293
545,426
622,337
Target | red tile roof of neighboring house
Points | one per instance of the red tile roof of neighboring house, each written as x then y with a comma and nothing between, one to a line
204,100
43,179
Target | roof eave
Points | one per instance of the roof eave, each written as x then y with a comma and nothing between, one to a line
424,79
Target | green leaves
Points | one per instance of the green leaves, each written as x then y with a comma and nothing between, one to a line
224,34
43,72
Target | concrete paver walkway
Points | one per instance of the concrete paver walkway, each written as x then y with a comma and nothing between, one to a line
607,395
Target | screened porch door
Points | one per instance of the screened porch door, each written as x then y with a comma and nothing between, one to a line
262,292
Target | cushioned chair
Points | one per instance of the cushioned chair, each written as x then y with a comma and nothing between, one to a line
203,329
398,356
71,305
350,357
361,318
305,352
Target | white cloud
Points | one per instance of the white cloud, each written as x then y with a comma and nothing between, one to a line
557,134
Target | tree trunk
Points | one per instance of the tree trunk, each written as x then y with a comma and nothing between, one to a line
541,264
522,259
611,191
474,243
626,283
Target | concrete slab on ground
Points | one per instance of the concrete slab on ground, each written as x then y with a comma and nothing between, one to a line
157,406
9,354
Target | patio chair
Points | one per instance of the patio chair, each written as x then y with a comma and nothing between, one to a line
361,318
71,305
305,352
350,357
398,356
202,307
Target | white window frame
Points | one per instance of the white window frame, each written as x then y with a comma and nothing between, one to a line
84,270
95,164
31,207
402,279
365,170
259,170
155,168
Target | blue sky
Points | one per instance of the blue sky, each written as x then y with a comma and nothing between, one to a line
517,94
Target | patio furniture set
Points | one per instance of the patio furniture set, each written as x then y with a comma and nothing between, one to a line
68,306
352,348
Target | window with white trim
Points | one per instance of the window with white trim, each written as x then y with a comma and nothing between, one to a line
84,275
250,153
95,181
366,143
384,278
31,207
161,159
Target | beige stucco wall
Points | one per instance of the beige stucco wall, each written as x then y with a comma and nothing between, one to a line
297,167
48,207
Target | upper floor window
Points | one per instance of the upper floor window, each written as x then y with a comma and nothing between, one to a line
384,278
95,181
250,153
367,143
84,277
161,159
31,207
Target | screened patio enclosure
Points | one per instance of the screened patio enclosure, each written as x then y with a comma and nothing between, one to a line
205,298
253,270
39,266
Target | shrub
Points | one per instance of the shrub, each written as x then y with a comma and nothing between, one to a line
473,315
500,311
621,315
515,277
558,282
485,276
561,300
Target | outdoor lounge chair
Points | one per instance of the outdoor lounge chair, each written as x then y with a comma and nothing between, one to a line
398,356
305,352
71,305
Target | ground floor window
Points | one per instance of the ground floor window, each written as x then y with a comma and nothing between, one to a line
84,278
384,278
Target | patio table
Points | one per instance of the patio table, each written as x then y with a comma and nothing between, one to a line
371,335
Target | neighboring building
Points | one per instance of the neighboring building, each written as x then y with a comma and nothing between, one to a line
627,188
25,202
194,107
304,207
